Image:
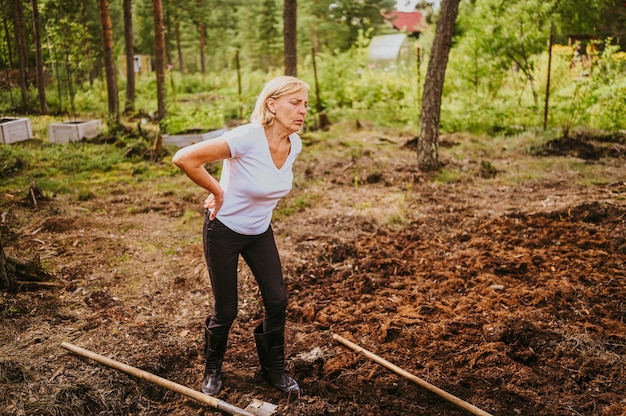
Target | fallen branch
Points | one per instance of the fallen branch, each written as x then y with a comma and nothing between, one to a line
39,285
27,271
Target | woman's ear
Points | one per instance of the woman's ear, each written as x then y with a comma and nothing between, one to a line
271,106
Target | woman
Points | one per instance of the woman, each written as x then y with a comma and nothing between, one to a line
256,174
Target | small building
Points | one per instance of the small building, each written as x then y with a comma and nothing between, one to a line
411,23
395,48
142,64
386,50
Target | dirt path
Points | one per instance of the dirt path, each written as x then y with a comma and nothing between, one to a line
509,295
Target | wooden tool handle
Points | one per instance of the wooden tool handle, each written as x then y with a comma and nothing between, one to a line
168,384
451,398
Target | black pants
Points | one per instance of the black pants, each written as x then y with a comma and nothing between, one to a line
222,247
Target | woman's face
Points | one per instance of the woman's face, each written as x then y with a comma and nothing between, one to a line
290,110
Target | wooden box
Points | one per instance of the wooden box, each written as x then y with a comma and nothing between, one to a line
72,131
13,129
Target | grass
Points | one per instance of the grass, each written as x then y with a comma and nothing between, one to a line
294,204
446,176
85,171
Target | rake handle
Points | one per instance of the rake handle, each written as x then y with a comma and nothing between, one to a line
451,398
168,384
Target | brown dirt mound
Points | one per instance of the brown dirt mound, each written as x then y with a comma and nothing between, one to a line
587,146
510,297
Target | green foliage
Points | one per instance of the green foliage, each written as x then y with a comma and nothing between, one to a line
585,16
91,99
68,49
209,102
267,52
73,168
570,107
507,35
290,206
497,73
354,89
204,119
495,80
607,113
610,64
358,16
10,161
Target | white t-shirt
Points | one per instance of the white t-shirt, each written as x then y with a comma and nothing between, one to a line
252,183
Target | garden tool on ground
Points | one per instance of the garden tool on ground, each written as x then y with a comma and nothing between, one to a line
255,408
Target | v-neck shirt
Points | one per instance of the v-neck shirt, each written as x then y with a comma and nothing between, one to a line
251,181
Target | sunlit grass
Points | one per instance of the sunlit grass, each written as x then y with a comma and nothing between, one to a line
191,221
80,169
446,176
294,204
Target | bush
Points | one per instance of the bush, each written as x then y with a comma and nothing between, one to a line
479,96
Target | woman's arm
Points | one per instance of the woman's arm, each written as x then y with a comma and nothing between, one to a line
191,160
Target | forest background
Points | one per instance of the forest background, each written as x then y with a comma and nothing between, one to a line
219,53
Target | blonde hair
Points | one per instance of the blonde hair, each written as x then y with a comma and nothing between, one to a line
275,88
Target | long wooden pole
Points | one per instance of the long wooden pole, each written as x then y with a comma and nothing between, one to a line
168,384
322,118
451,398
545,110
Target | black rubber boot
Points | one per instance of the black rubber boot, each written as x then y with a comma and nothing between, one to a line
214,350
271,349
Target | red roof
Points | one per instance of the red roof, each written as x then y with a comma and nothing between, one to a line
409,21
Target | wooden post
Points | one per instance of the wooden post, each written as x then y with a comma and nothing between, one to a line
419,83
545,111
239,84
323,121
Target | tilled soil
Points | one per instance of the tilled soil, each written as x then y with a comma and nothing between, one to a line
510,297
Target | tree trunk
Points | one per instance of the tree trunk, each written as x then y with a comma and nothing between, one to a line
322,118
92,70
109,63
22,55
129,107
428,148
9,57
18,274
41,82
290,37
159,60
167,34
68,71
6,282
179,49
202,38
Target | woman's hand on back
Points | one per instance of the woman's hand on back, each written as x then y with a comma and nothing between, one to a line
213,203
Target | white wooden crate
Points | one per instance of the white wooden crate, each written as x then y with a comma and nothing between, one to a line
14,129
63,133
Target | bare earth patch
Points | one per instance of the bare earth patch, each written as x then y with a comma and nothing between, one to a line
510,296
